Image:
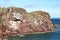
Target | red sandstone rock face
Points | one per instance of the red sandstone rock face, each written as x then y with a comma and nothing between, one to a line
17,22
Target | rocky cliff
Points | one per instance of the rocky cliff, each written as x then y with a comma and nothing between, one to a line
17,21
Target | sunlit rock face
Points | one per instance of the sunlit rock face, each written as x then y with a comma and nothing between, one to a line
17,21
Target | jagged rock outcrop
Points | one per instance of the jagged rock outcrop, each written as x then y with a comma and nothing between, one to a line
16,21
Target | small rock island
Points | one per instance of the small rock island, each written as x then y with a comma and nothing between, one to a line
17,21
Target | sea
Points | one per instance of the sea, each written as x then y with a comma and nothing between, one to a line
45,36
55,20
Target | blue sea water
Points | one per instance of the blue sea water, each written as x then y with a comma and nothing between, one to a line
55,20
46,36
